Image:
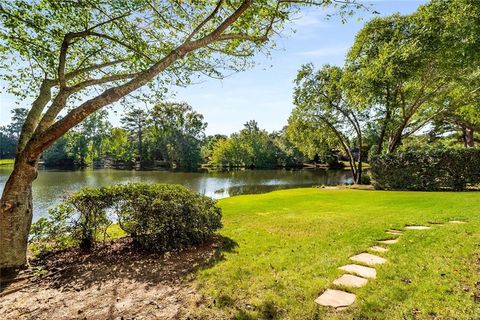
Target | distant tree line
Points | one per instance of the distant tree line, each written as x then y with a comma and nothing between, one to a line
10,134
170,135
253,147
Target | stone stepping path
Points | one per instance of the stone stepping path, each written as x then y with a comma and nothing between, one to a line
363,271
395,232
358,275
417,228
367,258
389,241
350,280
378,249
335,298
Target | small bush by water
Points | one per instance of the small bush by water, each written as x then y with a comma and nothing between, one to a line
157,216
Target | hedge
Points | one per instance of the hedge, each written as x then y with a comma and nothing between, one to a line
428,170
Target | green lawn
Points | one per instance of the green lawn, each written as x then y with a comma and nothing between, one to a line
291,242
4,162
346,165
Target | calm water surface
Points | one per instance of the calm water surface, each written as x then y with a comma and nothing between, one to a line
53,185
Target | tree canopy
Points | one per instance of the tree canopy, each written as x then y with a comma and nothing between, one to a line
404,75
321,103
253,147
393,71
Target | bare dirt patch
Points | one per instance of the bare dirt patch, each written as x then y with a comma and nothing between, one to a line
114,281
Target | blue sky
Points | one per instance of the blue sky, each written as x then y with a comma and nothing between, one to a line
264,93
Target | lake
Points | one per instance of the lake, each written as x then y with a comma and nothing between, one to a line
53,185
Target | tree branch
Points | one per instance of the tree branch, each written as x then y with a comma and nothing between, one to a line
241,36
107,79
205,21
90,68
124,44
35,113
46,137
163,18
55,108
215,34
235,54
70,36
62,97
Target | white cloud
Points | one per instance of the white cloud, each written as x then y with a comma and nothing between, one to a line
312,20
326,51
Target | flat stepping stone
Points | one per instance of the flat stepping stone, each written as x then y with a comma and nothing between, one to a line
417,228
395,232
363,271
389,241
378,249
368,258
456,222
349,280
335,298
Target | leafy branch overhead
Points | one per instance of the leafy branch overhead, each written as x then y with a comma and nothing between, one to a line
75,47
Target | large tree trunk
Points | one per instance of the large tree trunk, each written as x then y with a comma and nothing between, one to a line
16,214
383,132
359,163
140,147
469,142
395,142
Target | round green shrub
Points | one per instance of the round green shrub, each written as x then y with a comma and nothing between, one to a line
164,217
157,216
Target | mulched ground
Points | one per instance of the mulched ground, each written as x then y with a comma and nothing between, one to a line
114,281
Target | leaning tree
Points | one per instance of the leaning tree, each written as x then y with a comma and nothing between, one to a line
76,57
322,108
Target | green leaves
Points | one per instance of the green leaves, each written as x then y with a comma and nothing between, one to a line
157,216
405,69
428,169
323,115
140,33
96,53
251,148
455,27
